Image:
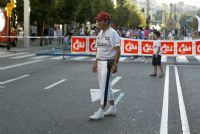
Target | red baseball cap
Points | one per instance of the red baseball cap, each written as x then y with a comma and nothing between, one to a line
103,16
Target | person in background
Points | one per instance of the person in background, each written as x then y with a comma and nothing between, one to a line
107,57
59,35
147,31
51,34
45,32
34,32
157,55
93,32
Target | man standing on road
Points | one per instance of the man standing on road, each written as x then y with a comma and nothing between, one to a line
156,59
107,57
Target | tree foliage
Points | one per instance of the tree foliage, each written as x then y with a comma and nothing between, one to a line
80,11
128,15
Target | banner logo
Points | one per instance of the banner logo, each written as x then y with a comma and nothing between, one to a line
78,44
167,48
131,47
147,47
184,48
92,47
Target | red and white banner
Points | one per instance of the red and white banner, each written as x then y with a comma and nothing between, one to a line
168,48
198,47
131,47
78,45
86,44
184,48
147,47
92,47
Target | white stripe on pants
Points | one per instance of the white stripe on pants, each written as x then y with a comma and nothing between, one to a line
106,91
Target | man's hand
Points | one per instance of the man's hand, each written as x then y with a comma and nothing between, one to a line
94,67
114,69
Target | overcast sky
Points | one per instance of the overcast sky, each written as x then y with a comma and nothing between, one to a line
188,2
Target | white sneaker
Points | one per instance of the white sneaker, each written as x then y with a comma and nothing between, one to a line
97,115
111,111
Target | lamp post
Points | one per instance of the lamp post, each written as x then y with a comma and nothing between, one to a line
26,23
10,6
148,16
8,41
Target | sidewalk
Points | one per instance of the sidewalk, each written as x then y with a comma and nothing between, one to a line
33,47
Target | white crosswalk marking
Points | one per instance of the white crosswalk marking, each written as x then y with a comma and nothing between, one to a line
197,57
11,80
23,56
58,57
164,58
123,58
39,57
181,59
20,64
14,54
79,58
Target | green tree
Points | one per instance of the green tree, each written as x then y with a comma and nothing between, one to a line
121,16
19,10
136,17
84,11
68,10
128,15
183,21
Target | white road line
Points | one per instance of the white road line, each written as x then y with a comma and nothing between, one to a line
119,98
55,84
14,54
114,81
181,59
14,79
78,58
184,120
23,56
1,87
197,57
39,57
122,58
164,118
58,57
21,64
194,66
164,58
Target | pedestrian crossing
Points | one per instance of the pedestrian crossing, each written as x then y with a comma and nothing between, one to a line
142,59
23,56
180,59
164,59
7,54
198,58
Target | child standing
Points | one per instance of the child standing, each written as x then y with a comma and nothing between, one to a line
157,55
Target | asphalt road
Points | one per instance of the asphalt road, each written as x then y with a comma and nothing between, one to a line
45,96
